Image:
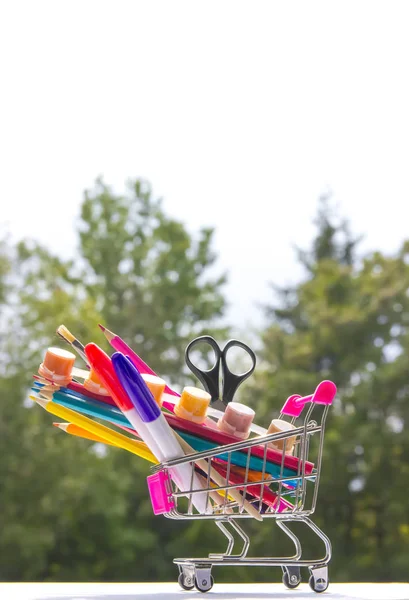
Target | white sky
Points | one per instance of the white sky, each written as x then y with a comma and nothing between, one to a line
239,113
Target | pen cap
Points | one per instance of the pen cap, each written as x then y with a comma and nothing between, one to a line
93,384
279,426
237,420
136,389
57,366
193,404
156,386
102,365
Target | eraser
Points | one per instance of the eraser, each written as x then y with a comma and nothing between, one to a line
57,366
279,426
237,420
156,386
93,384
193,404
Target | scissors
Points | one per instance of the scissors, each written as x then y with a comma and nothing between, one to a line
223,394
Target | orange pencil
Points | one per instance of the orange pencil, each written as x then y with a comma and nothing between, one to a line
82,433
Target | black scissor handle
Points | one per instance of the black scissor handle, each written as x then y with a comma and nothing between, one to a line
209,378
231,381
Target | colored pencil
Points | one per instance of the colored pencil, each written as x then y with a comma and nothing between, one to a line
75,388
239,458
121,346
134,446
82,433
220,480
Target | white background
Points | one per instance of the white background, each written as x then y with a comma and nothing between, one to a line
240,114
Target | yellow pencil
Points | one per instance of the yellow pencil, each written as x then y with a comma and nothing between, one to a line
117,439
82,433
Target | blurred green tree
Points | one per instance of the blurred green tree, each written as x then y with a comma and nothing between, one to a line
71,509
348,321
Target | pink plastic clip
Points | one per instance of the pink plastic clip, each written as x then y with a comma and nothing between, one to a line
160,490
324,394
283,505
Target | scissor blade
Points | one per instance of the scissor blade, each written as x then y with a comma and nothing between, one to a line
219,405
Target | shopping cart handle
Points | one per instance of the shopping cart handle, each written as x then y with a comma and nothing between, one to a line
324,394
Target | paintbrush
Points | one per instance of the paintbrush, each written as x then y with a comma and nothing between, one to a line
67,336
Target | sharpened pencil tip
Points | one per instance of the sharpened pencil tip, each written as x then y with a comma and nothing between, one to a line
108,334
62,426
39,401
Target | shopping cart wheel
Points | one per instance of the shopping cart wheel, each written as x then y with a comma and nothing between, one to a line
186,581
318,580
291,577
203,580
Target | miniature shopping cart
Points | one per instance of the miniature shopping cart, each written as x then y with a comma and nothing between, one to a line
286,490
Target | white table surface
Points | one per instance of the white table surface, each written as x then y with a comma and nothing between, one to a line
171,591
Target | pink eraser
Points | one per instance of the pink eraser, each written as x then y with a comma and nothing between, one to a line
236,420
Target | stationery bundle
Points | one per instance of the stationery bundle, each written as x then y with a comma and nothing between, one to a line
210,460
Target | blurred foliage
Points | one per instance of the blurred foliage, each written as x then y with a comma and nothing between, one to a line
71,511
348,321
68,512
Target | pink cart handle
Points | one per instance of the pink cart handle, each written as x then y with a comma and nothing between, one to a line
324,394
160,492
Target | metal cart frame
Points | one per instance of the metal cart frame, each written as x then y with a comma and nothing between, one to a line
301,489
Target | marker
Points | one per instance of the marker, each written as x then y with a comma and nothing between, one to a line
158,427
102,365
170,396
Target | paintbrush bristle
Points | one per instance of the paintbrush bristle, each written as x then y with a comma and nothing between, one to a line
63,332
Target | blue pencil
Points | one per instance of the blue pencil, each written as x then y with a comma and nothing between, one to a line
113,415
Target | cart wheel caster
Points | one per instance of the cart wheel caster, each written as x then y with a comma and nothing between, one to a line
318,583
204,584
291,581
186,581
